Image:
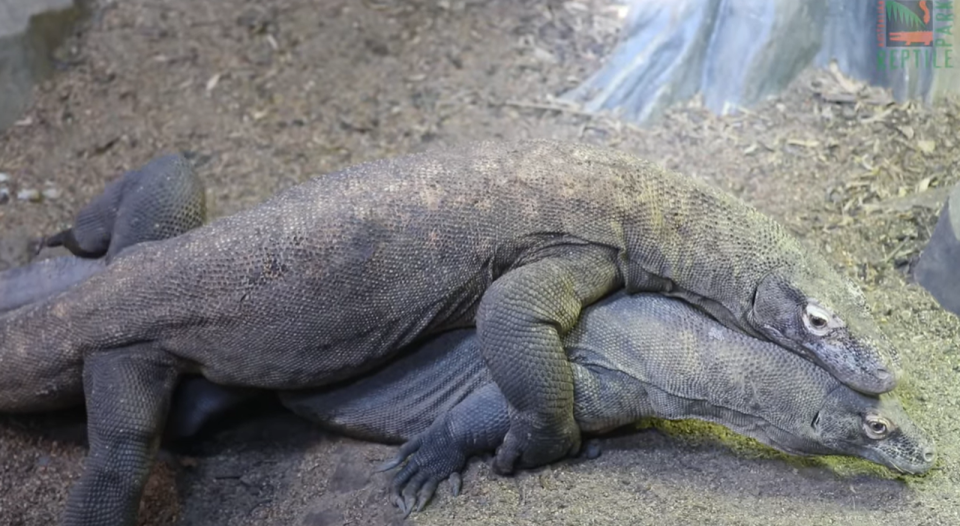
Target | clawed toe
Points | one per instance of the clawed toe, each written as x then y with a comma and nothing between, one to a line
413,489
388,464
591,449
456,484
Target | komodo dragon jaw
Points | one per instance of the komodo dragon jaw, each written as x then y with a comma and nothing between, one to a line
823,317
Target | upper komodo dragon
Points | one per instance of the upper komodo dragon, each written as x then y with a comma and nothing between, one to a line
329,278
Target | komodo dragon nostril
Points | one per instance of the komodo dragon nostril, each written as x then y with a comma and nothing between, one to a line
929,455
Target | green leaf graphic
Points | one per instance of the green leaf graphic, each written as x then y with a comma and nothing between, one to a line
898,11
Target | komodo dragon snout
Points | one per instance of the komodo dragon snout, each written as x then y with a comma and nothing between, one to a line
824,317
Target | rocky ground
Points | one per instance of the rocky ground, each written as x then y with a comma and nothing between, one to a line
266,94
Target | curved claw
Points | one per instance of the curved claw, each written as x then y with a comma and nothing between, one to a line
416,483
407,449
387,465
456,484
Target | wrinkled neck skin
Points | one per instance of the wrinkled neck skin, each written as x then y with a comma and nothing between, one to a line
710,250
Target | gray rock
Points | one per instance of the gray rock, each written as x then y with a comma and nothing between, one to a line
938,269
29,194
29,31
734,52
658,61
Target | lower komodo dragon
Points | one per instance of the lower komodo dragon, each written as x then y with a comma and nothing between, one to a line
328,279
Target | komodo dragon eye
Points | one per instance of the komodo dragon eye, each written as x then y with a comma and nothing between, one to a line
876,427
817,319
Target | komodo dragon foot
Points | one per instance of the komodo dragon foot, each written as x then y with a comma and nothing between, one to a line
162,199
475,426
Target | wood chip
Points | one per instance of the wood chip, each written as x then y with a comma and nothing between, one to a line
907,131
926,146
805,144
212,82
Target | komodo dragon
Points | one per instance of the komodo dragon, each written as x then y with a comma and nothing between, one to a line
635,356
328,279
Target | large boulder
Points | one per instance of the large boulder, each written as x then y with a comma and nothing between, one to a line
29,31
938,270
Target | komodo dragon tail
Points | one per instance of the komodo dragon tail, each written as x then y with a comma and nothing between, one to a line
31,283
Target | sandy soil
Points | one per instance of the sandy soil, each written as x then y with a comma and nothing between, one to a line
265,97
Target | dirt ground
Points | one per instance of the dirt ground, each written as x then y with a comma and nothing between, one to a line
266,94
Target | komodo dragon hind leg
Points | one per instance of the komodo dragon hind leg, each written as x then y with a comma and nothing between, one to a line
162,199
128,395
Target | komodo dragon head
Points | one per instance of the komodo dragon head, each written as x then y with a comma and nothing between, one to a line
810,308
874,428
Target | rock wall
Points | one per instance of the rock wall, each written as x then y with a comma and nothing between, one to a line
29,31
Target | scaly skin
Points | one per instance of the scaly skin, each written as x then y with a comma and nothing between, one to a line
330,278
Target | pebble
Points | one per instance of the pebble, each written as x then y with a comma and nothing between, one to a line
4,195
4,177
51,193
29,194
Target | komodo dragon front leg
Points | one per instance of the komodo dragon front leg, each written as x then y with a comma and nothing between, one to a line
521,319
